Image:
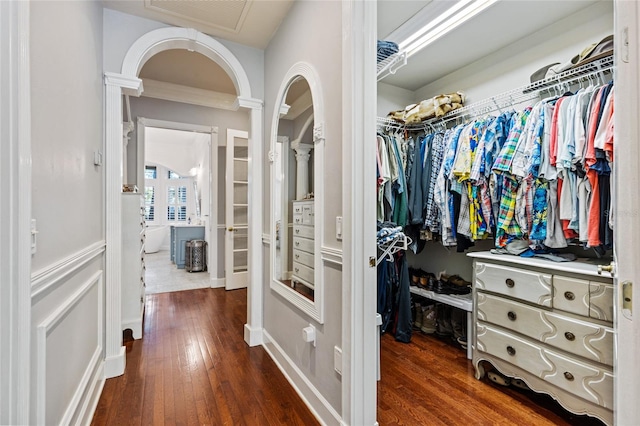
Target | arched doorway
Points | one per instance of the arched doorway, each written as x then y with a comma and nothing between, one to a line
127,82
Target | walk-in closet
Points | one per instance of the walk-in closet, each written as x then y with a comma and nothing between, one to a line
495,204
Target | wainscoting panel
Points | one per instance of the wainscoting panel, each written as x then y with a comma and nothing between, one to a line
69,353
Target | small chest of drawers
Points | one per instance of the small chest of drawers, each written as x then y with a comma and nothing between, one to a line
549,324
303,243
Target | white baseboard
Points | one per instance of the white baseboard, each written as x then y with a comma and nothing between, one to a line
114,366
217,282
93,396
317,403
252,336
135,325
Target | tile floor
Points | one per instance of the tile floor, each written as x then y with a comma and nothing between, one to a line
162,276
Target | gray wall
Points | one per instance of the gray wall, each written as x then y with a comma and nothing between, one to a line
68,204
316,28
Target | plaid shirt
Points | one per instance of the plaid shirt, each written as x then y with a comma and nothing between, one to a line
503,162
432,219
507,225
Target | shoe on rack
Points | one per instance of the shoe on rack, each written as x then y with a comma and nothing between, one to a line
443,323
457,280
415,276
417,322
428,319
458,324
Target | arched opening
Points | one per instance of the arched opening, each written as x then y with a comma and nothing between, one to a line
128,82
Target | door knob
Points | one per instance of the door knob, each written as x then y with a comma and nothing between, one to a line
230,228
608,268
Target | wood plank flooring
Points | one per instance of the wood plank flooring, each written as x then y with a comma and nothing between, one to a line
193,367
430,382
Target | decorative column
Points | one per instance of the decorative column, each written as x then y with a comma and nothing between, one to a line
126,129
303,153
114,350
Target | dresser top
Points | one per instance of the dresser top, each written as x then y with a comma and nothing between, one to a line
583,266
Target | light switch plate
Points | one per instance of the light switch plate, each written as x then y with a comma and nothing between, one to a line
339,227
337,359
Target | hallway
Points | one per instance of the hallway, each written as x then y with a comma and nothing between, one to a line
193,367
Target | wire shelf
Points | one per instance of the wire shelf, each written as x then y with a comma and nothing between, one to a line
562,82
390,64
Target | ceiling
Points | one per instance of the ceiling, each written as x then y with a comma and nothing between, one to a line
249,22
500,25
254,22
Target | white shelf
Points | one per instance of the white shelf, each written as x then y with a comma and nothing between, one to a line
391,64
462,301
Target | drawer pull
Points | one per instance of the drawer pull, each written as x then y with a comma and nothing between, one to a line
568,376
512,315
569,295
297,269
510,283
297,243
570,336
297,256
297,231
511,350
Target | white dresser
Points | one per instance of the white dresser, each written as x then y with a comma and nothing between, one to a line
549,324
133,268
303,243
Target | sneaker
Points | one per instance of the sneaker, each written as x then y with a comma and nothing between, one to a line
428,319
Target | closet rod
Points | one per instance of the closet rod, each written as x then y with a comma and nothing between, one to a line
559,83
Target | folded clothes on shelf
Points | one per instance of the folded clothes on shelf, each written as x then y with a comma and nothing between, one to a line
430,108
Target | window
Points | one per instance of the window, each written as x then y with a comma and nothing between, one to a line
173,175
150,172
177,203
167,191
149,203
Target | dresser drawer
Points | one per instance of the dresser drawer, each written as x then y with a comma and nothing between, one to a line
303,244
303,272
531,286
571,295
590,382
303,231
581,338
297,208
304,258
601,301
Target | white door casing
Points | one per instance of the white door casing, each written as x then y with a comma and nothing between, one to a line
15,233
236,229
627,209
210,231
359,98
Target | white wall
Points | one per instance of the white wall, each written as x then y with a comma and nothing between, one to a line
511,67
316,28
393,98
68,203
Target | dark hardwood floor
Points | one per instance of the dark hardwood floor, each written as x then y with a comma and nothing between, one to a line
193,367
430,382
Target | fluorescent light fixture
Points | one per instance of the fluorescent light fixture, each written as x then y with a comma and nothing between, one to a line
456,15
